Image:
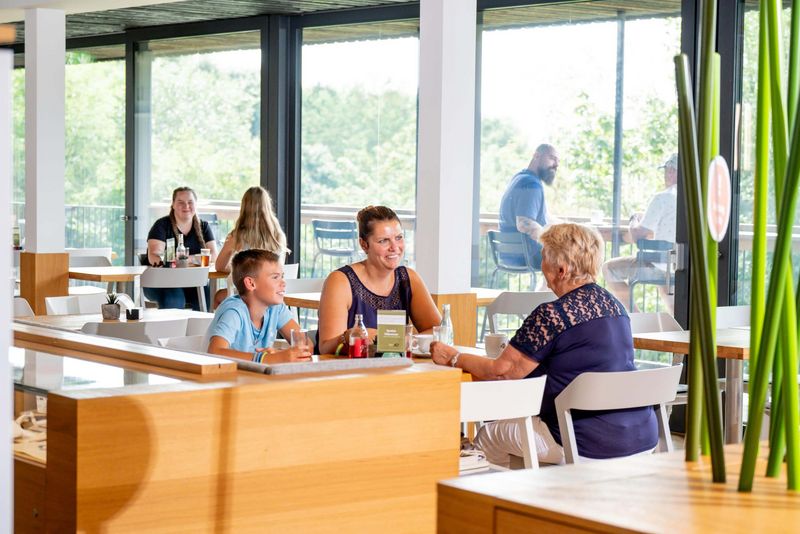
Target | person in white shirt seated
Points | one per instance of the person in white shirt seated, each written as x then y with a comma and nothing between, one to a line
657,223
245,325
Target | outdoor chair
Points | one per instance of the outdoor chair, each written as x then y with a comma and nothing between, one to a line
617,391
338,239
157,277
504,244
651,251
519,303
506,399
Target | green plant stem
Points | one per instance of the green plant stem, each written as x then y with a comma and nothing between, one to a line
777,436
794,61
694,406
777,284
761,188
690,164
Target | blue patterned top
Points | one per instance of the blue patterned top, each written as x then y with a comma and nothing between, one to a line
368,303
586,330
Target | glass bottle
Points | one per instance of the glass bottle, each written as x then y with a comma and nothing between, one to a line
359,339
180,252
446,330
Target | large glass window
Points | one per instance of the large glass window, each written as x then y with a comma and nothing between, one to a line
541,83
198,125
746,160
94,180
359,128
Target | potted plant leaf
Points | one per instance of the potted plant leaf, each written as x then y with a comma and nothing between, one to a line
111,308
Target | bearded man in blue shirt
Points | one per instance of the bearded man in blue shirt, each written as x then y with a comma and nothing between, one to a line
523,207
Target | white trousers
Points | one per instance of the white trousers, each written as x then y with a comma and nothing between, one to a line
499,440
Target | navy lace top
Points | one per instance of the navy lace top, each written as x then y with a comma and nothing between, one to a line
368,303
586,330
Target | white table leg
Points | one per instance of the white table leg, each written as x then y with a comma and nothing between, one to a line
734,400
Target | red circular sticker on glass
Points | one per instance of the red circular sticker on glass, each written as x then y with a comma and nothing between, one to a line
718,206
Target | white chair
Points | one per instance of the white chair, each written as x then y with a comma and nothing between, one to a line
730,316
89,257
290,271
22,308
158,277
193,343
196,326
617,391
506,399
304,285
141,331
519,303
75,304
653,322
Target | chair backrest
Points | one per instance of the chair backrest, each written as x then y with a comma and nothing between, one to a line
158,277
75,304
335,235
89,252
506,399
728,316
653,251
520,303
653,322
290,271
505,243
501,399
196,326
142,331
22,308
193,343
304,285
617,391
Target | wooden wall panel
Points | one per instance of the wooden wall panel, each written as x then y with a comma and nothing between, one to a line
29,483
464,312
43,275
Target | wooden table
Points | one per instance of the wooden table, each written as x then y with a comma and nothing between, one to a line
733,345
127,274
655,493
76,322
310,300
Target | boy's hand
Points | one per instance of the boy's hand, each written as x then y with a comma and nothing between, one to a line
293,354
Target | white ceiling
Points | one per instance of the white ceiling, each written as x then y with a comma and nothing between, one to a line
14,10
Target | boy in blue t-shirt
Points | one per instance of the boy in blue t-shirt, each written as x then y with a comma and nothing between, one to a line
245,325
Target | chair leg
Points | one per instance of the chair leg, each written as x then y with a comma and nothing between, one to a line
201,298
631,299
493,279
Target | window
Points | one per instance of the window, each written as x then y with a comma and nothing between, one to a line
540,83
359,130
198,125
94,181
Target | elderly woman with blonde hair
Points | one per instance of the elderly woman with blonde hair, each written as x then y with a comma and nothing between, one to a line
585,329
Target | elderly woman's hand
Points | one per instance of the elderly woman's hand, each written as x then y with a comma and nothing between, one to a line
442,353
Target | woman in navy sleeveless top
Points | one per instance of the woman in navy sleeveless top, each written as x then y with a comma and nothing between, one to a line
380,282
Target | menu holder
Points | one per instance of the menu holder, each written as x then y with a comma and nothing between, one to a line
391,331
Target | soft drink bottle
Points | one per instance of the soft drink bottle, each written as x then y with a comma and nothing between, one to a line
359,339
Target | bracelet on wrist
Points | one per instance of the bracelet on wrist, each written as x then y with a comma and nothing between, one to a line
454,360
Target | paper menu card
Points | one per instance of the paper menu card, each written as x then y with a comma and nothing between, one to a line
391,331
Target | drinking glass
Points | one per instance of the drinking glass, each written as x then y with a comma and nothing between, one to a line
437,333
205,257
300,339
409,339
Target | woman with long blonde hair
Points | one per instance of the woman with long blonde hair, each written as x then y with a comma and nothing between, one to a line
257,227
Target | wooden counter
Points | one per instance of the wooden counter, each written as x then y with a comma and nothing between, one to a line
350,451
656,493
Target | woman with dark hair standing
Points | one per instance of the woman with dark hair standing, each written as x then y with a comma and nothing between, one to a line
197,234
380,282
